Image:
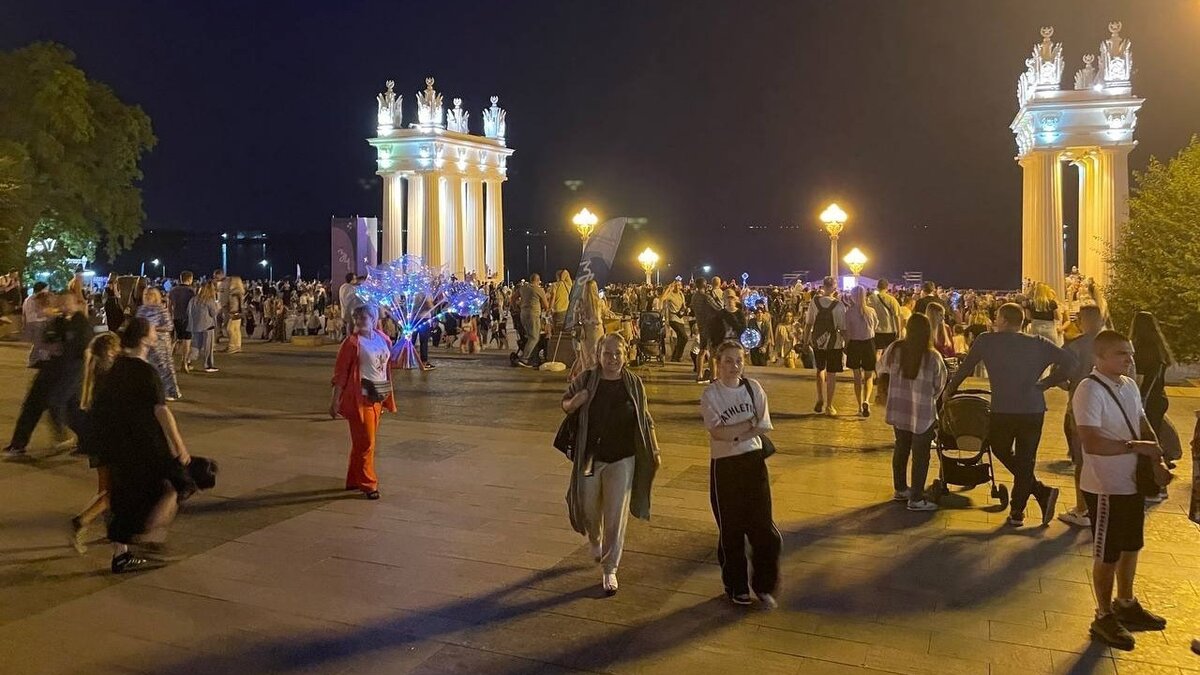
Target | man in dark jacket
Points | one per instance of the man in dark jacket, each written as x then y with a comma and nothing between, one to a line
705,308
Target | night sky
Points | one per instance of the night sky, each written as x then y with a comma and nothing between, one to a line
705,118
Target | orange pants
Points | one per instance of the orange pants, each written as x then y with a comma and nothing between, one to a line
363,425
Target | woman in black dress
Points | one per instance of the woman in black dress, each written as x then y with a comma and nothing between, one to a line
139,442
1151,358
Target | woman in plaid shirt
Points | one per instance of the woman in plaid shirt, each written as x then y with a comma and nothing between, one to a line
916,376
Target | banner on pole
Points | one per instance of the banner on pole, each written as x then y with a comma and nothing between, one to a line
597,260
352,246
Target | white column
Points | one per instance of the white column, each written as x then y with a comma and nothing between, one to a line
1090,258
451,226
1041,219
1111,201
416,219
392,216
474,258
431,219
494,216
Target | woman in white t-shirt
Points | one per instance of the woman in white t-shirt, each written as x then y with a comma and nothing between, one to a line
362,390
736,414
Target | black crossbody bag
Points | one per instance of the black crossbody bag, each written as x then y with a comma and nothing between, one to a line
768,446
1147,484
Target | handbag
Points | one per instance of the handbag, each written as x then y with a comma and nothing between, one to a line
768,446
1146,477
566,440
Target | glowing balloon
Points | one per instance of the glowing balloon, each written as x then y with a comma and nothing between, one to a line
750,338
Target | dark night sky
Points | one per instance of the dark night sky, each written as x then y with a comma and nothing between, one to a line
695,115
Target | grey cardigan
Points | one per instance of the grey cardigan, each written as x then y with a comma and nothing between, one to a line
644,465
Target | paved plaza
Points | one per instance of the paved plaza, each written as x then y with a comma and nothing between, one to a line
469,565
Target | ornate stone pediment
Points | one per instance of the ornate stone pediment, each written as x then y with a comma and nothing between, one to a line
1043,69
456,120
429,106
1116,57
494,122
1086,77
389,107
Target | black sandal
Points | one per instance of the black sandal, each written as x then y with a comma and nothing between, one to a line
373,494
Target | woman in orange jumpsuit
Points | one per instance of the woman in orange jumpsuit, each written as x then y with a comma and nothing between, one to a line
362,390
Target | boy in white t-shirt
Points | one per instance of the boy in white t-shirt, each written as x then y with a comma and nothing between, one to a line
1114,431
736,415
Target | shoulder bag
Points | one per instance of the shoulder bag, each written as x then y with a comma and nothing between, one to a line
1148,481
768,446
566,440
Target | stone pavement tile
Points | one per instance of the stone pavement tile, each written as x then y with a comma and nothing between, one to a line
1153,649
1137,668
704,659
821,648
901,661
1096,659
911,637
1063,636
459,660
1030,659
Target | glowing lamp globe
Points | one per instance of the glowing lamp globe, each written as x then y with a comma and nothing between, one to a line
648,259
834,218
855,260
585,221
750,338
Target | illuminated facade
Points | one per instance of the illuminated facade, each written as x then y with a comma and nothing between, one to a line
1091,127
442,185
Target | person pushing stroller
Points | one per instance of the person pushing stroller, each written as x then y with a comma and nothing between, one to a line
1015,363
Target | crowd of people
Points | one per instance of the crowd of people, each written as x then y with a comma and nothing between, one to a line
909,349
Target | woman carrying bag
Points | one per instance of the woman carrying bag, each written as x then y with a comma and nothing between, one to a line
916,375
615,455
362,390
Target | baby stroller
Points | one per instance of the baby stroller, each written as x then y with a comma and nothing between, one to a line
965,456
651,338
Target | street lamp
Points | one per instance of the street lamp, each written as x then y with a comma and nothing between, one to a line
855,260
648,259
270,269
834,219
585,221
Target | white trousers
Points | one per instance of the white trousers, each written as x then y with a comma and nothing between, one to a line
606,496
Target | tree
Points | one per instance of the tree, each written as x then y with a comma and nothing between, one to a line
1156,263
69,155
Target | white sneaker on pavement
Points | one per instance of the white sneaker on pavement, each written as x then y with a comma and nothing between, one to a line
900,496
922,505
1073,517
609,582
768,600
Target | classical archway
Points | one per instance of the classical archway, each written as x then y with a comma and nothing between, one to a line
1090,126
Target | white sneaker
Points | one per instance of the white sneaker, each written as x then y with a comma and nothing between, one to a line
1073,517
922,505
830,410
768,600
609,582
212,370
1156,499
596,550
900,496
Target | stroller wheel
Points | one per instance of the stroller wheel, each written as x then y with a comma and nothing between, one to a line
1000,492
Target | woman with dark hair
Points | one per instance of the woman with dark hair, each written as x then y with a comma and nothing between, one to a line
1151,358
916,375
362,390
139,441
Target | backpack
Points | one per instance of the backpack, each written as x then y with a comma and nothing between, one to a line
824,329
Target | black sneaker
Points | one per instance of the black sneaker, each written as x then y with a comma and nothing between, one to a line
819,407
126,562
13,451
1135,617
741,599
1110,631
1016,519
1048,502
866,409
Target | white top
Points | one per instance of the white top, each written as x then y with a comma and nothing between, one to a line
1093,407
724,406
860,325
372,358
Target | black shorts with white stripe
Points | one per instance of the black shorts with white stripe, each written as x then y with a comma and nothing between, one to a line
1118,522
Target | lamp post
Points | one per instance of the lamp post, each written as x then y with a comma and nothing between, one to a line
834,219
855,260
648,259
270,269
585,221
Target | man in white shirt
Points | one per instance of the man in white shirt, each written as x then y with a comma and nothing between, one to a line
348,299
824,324
1114,431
